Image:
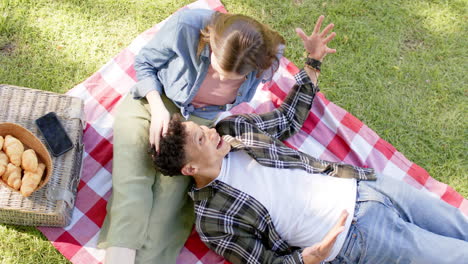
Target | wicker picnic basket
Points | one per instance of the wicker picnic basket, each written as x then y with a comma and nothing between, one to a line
52,205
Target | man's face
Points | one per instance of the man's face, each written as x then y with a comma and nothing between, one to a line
205,148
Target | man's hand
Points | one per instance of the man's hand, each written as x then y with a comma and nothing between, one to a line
316,44
320,251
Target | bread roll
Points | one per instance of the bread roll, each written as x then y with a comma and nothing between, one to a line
13,176
3,162
29,160
31,180
14,149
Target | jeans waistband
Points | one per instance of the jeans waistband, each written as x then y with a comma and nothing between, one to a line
366,192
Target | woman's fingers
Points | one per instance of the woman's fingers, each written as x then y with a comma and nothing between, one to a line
165,127
157,136
151,136
158,128
155,133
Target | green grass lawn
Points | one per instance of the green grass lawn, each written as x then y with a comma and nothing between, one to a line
400,68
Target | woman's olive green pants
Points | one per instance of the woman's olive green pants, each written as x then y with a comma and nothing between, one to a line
147,211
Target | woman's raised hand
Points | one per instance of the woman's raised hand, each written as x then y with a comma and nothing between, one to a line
316,44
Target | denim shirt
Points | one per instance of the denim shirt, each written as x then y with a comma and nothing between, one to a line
169,64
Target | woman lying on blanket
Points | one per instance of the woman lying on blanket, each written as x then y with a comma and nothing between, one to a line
199,63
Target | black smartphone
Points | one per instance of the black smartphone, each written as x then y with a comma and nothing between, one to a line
55,135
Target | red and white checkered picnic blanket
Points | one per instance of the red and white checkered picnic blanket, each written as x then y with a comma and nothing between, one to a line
329,133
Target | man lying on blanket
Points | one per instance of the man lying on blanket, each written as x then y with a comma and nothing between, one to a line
259,201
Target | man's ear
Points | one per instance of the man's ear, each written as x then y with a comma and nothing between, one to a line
189,169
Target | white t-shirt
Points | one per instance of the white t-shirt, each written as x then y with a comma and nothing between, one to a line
302,206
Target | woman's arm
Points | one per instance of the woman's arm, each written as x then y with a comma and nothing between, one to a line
155,55
152,57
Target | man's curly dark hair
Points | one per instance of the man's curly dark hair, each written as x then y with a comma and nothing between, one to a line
171,156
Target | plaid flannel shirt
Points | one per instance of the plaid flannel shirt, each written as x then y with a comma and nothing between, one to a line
234,224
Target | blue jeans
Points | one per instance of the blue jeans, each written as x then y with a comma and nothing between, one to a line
396,223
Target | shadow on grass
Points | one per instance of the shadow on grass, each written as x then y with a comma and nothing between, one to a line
24,66
145,13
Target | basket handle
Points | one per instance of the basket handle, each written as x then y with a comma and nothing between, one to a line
61,194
